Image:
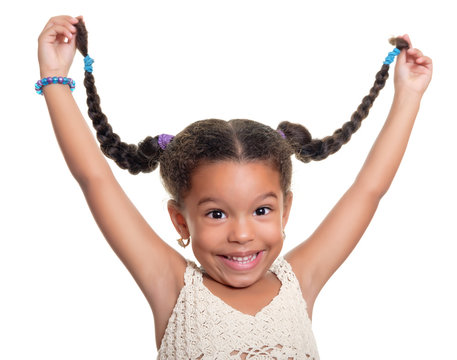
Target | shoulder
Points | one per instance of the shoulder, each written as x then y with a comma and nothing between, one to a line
304,278
167,284
297,266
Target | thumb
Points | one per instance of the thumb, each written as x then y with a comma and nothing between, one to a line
401,58
72,42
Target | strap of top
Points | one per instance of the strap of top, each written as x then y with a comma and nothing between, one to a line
286,275
192,275
284,272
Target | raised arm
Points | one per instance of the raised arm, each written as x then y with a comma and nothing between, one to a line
321,255
145,255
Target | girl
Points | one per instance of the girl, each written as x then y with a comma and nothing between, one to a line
229,183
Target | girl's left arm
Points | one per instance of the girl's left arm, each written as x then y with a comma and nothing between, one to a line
316,259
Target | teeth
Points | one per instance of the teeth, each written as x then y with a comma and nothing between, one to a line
242,260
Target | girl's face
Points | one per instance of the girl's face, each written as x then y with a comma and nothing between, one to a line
234,210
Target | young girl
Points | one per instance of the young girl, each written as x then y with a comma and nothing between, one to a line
229,183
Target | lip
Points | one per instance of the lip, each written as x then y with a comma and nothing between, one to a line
234,265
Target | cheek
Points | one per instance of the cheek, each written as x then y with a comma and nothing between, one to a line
206,237
271,233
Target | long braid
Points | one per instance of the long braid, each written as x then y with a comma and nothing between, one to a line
145,156
307,149
135,158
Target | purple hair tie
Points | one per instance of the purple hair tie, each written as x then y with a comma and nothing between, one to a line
281,133
164,140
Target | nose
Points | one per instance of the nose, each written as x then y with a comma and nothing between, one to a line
241,231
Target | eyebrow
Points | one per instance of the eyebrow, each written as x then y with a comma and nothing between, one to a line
259,198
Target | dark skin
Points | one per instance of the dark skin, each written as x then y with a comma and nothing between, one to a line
155,265
239,217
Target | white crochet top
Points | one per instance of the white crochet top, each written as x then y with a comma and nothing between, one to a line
202,326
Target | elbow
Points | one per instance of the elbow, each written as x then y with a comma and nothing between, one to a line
86,180
373,190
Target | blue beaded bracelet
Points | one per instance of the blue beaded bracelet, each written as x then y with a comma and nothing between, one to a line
53,80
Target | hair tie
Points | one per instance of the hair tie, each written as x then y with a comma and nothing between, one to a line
88,61
280,132
390,58
164,140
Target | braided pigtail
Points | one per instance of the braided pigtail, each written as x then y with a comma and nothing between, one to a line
307,149
135,158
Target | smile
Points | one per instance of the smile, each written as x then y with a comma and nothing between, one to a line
242,260
242,263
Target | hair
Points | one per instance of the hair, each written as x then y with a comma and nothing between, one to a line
213,140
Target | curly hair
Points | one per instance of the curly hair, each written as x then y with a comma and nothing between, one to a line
212,140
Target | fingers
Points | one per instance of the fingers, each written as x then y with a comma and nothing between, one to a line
56,33
402,57
59,20
61,26
415,52
406,37
63,20
416,56
425,61
413,56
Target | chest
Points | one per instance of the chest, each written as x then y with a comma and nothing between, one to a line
276,325
249,300
253,300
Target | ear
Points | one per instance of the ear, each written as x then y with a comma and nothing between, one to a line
286,209
178,219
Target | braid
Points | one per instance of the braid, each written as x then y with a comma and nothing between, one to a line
218,140
307,149
135,158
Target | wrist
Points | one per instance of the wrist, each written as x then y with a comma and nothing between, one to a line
53,72
409,95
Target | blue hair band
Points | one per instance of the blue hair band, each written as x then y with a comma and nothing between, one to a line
391,57
88,61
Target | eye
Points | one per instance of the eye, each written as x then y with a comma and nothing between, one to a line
216,214
262,211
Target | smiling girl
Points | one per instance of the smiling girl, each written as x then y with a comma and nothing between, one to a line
229,183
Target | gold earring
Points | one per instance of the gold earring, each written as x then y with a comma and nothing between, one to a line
182,243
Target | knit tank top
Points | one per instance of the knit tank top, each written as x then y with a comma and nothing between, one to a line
202,326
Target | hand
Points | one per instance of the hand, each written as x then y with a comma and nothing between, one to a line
413,70
55,56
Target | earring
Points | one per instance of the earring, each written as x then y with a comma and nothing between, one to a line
182,243
283,235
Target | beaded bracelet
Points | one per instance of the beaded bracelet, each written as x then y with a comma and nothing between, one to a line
53,80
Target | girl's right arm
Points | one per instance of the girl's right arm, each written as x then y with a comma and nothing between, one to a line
156,267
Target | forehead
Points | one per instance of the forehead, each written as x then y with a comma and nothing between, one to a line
233,180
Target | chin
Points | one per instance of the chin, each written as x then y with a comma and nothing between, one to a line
240,281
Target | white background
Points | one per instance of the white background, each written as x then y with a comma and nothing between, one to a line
162,65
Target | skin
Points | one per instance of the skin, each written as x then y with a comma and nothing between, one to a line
238,218
156,267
